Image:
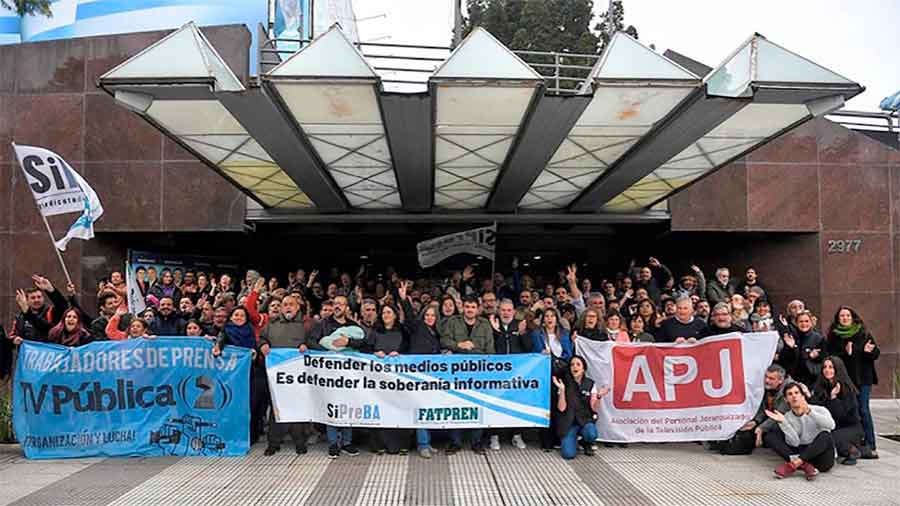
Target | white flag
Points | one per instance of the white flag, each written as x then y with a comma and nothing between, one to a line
479,241
58,189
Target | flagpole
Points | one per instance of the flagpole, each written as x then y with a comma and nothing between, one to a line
49,231
494,260
58,254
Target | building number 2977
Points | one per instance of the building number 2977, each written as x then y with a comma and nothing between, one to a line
844,245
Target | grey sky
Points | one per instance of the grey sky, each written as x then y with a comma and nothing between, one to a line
856,39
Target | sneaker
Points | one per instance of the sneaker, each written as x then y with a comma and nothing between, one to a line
784,470
271,450
403,452
608,445
333,451
478,448
425,452
809,470
495,443
588,451
868,453
350,450
518,442
849,461
452,448
313,438
301,450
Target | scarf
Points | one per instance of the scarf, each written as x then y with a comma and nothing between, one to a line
847,332
240,335
59,335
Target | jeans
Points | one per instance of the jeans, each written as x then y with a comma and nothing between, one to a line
569,444
456,436
865,393
423,438
332,433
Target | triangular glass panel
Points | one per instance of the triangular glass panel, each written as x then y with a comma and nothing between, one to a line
626,58
185,53
776,64
481,56
329,55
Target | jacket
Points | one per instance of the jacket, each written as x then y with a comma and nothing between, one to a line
422,339
159,291
860,364
578,405
844,408
326,327
453,330
388,341
172,325
284,333
539,342
808,367
508,340
716,293
714,330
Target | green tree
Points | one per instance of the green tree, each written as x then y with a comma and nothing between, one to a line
28,7
618,20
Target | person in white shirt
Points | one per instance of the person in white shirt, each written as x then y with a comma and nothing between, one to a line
803,436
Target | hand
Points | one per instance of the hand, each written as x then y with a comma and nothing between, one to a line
653,262
22,300
629,293
42,283
775,416
265,349
835,391
748,426
341,341
680,340
572,273
379,354
259,285
291,277
468,273
495,323
603,391
401,291
17,340
814,354
558,384
216,351
692,340
789,341
150,337
393,354
523,327
466,345
759,437
70,290
849,347
545,351
796,462
869,346
312,276
302,348
805,390
695,269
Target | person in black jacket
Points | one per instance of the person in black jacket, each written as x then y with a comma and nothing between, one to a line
811,345
510,336
682,327
388,338
835,390
168,322
849,339
575,411
37,317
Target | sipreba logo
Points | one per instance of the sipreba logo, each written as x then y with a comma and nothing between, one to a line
648,377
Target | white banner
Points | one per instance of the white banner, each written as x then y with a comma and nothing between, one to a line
479,241
411,391
689,392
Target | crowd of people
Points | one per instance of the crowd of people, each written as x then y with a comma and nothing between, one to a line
817,390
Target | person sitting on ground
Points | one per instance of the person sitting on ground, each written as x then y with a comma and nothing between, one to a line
775,381
683,327
835,390
721,322
803,436
577,401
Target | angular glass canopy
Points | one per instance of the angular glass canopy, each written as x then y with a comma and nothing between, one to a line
783,90
186,62
318,132
482,93
333,95
634,88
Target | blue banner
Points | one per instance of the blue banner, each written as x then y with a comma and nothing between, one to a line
141,397
412,391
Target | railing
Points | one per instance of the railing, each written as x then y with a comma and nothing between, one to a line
865,120
405,67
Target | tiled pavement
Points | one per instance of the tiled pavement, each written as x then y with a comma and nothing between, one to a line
670,475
